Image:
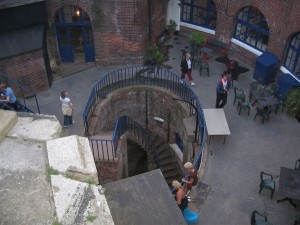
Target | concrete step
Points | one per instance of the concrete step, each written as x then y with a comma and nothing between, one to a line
169,167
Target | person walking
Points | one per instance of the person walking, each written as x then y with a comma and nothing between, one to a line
223,86
186,68
8,98
67,108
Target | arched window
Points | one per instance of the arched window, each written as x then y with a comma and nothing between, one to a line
252,28
199,12
292,58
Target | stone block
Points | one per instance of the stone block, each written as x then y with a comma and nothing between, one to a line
190,125
8,120
72,156
75,200
34,127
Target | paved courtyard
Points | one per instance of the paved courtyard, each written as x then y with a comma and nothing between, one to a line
232,169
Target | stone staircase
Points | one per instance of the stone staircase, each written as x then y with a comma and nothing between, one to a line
161,155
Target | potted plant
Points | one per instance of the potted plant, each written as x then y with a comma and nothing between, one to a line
171,28
154,56
197,38
292,103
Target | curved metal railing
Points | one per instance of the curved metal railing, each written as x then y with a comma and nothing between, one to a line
145,75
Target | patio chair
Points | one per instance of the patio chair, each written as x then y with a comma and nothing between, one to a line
273,88
204,66
238,95
297,165
196,60
243,105
266,182
253,86
261,220
263,112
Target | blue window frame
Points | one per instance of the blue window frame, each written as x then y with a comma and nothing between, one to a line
199,12
252,28
292,58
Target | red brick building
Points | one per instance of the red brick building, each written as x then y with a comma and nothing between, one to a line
119,32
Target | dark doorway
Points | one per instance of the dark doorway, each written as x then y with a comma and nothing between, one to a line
137,159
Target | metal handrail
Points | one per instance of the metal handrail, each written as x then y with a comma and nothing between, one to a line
145,75
21,92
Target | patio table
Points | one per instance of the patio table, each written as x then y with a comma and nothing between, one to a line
216,123
289,185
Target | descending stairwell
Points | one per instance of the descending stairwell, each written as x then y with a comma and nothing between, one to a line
161,154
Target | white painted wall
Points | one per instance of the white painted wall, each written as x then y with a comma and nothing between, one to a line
173,12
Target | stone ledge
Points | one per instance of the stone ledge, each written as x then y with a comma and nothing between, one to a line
75,200
34,127
72,156
8,120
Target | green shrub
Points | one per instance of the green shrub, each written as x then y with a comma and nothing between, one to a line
154,56
197,38
292,103
171,26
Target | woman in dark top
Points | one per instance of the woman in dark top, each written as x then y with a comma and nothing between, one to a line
186,68
180,195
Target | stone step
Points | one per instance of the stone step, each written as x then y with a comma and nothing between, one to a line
72,155
8,120
75,200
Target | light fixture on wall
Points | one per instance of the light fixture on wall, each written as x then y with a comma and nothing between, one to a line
77,12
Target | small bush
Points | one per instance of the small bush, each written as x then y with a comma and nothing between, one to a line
154,56
91,218
50,171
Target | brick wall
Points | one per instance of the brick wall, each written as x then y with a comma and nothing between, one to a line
120,27
159,105
28,69
283,19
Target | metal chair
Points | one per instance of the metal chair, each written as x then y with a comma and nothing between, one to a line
266,183
263,112
297,165
238,95
243,105
253,86
262,220
204,66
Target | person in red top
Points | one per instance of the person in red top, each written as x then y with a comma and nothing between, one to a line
192,180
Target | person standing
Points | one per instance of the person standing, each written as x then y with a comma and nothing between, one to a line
186,68
67,108
223,86
8,98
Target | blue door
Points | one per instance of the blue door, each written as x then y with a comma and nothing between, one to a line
65,44
74,35
88,44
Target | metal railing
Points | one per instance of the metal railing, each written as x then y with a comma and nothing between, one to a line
22,93
142,75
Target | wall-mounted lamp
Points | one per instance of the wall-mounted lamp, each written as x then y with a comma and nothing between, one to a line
159,119
77,12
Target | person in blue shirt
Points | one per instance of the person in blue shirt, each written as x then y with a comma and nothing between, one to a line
223,86
9,97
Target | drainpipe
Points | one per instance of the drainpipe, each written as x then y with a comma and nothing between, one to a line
149,22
